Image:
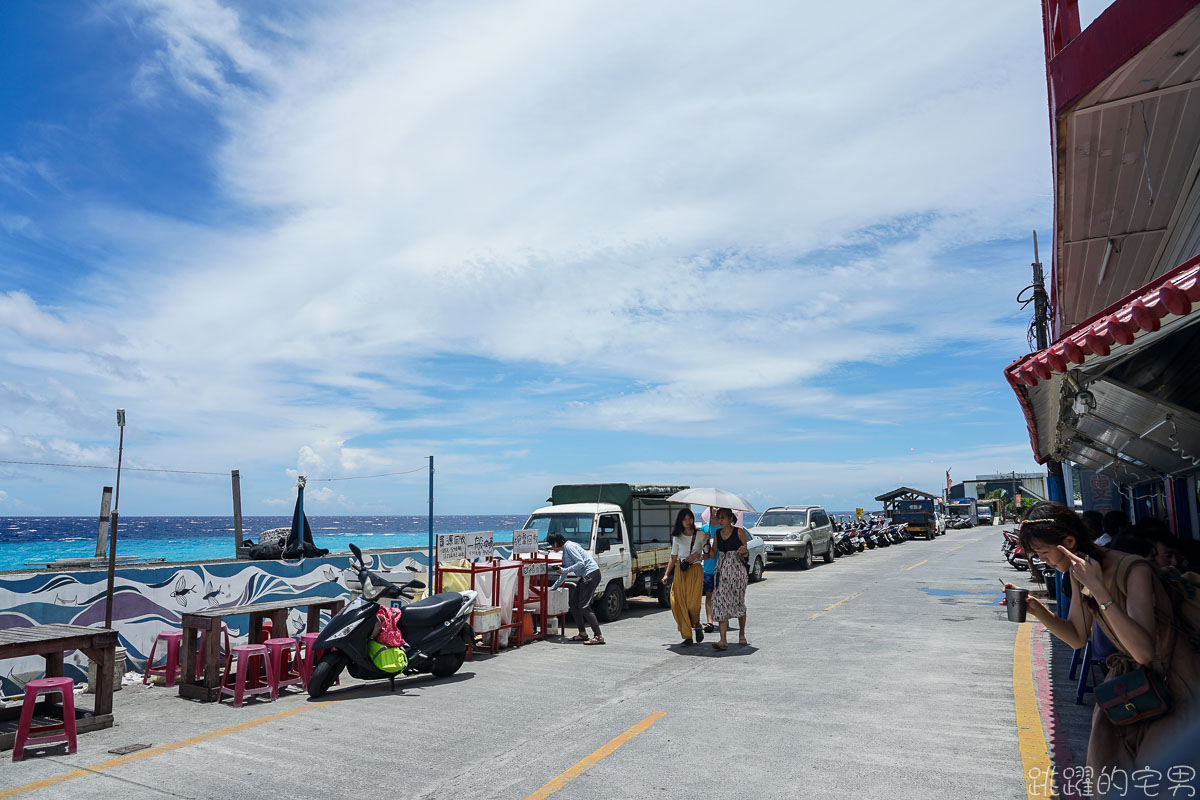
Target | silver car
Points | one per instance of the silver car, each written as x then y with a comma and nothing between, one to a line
796,534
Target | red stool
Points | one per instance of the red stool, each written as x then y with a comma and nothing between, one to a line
59,732
171,671
267,628
284,656
226,651
243,655
311,657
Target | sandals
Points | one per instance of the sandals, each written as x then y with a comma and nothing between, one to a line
743,643
698,634
597,640
719,646
709,628
579,637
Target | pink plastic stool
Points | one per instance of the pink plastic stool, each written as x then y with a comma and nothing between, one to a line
311,657
171,671
285,662
243,655
58,732
267,628
226,650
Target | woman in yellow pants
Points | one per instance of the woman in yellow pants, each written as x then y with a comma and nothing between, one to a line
687,589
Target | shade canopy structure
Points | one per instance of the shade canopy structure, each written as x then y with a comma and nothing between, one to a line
904,493
713,498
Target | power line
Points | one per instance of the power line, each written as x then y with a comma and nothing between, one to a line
132,469
363,477
197,472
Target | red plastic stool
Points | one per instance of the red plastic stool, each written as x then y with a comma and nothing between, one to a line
285,662
243,655
225,651
58,732
267,628
311,657
171,670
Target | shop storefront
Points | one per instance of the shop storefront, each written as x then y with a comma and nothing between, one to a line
1117,392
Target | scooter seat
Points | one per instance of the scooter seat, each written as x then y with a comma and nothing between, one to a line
432,610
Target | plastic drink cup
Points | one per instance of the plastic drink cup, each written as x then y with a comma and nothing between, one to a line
1016,601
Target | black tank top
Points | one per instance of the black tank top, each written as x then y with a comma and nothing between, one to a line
725,545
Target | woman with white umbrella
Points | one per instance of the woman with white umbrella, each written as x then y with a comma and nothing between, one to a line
729,599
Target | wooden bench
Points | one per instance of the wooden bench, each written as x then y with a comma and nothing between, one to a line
208,687
53,642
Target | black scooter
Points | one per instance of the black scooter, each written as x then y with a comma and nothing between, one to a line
436,633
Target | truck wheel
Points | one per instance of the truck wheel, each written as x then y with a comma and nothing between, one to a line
664,595
807,561
830,555
756,574
611,602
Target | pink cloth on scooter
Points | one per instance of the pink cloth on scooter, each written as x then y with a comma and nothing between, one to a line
389,627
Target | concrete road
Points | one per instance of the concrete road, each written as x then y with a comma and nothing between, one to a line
887,674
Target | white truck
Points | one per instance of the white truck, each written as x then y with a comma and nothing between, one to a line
627,529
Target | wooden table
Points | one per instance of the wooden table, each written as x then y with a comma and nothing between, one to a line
53,642
208,687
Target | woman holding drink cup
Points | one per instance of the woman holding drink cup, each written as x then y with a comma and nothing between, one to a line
1124,595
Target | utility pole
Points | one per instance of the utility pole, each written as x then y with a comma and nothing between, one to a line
1041,301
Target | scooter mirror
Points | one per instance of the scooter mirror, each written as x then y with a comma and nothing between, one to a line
357,553
416,585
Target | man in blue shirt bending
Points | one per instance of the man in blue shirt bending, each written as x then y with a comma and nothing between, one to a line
577,561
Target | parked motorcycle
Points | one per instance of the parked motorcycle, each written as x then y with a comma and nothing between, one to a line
1014,551
842,543
435,630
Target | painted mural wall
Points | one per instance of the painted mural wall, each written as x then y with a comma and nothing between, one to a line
152,599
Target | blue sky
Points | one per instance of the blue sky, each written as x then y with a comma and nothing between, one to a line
770,248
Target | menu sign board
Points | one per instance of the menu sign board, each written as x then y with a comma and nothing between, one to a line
474,546
525,541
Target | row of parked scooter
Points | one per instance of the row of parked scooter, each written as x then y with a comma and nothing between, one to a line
854,536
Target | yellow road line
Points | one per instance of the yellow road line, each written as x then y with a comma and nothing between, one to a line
583,766
1031,738
83,772
835,605
914,566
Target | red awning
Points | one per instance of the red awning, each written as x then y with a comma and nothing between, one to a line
1159,306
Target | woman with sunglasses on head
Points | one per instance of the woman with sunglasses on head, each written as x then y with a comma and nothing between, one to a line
687,549
729,599
1124,596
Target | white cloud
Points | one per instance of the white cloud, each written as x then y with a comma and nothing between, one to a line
638,197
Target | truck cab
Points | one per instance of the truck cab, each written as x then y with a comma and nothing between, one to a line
627,530
598,528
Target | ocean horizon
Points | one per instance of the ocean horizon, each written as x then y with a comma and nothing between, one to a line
27,542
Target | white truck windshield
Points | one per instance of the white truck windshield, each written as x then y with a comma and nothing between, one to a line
576,528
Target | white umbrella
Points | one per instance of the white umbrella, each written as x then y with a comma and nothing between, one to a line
714,498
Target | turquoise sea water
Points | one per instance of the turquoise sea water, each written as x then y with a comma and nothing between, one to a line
32,539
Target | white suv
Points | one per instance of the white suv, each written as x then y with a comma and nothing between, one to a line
796,534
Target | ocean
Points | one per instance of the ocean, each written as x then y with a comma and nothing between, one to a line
34,539
25,541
